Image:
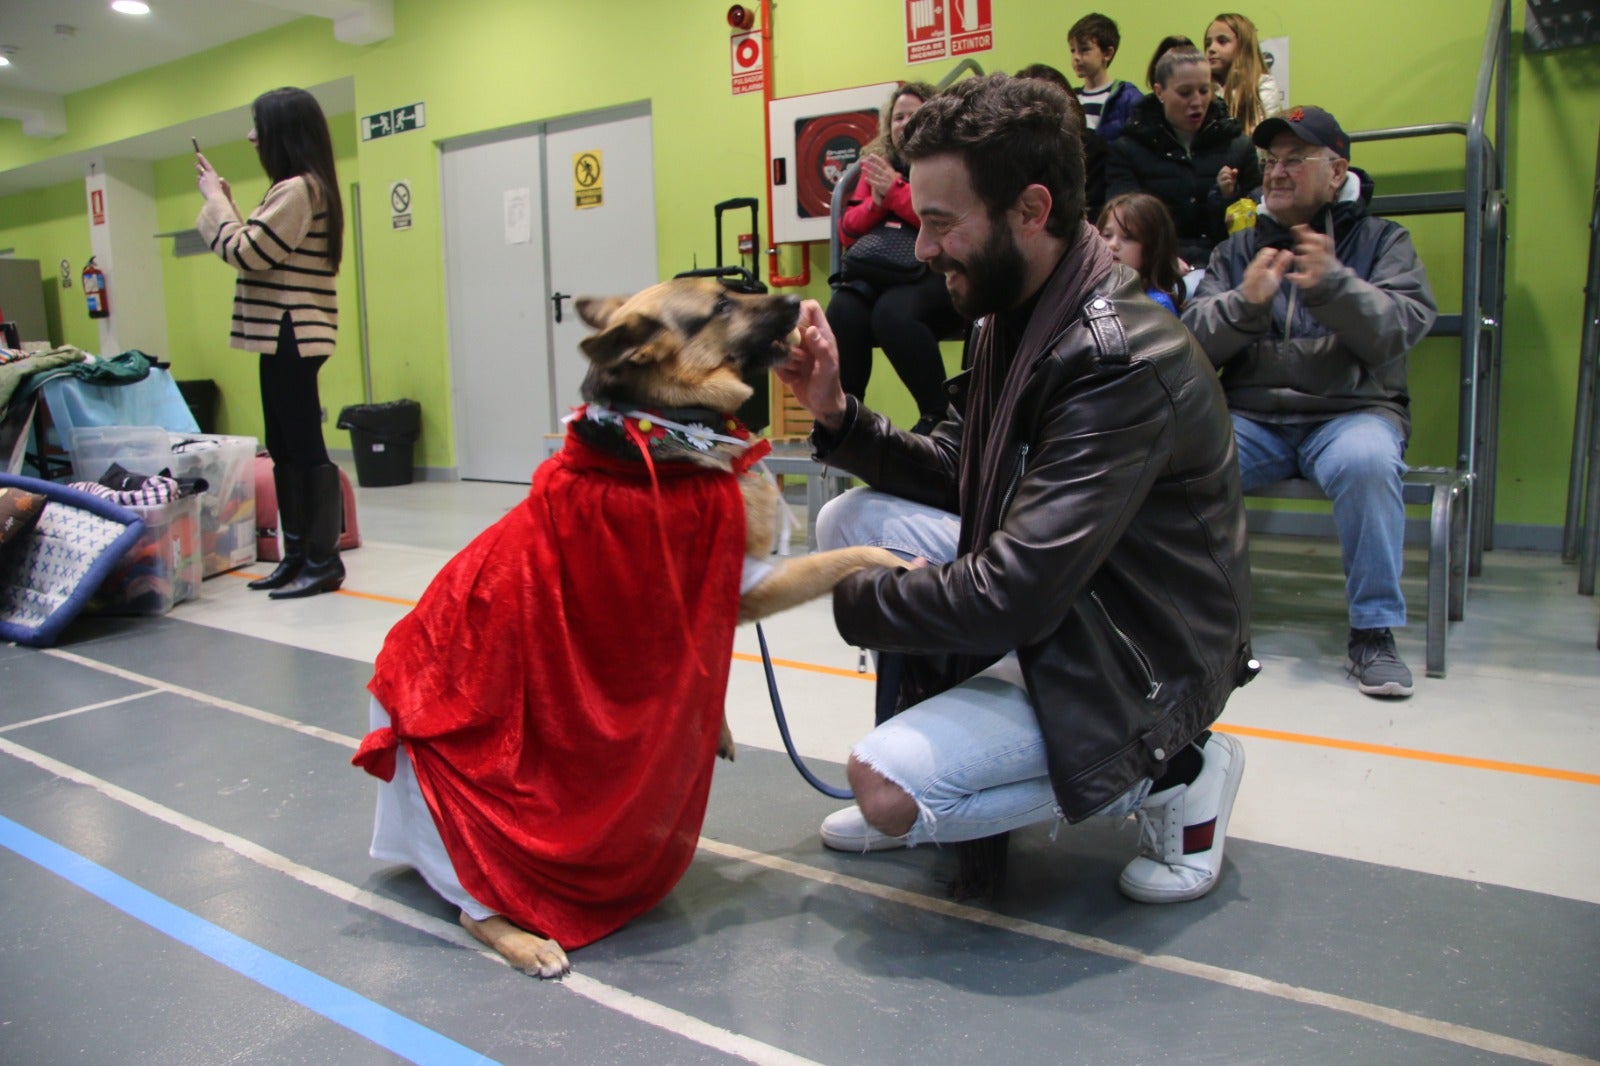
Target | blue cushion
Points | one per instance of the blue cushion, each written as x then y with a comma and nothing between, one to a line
47,576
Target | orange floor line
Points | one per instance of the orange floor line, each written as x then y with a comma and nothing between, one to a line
1416,754
1413,753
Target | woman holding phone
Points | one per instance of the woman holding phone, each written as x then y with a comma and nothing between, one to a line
287,253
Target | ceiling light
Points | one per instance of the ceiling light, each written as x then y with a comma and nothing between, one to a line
130,7
4,62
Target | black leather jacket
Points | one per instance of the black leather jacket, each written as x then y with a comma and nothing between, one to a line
1148,157
1118,569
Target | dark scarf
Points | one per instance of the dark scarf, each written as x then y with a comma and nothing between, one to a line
1001,372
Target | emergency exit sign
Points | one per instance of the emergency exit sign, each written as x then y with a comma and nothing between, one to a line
399,120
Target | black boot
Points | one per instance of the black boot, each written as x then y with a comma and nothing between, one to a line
290,483
322,572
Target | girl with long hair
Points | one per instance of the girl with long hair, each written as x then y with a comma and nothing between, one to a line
1244,83
287,253
1139,230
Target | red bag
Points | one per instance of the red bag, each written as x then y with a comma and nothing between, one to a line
267,512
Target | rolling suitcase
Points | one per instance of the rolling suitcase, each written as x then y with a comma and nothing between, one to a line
756,412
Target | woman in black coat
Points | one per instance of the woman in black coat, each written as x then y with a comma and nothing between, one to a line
1181,147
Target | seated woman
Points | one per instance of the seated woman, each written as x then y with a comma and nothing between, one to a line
1182,147
1239,71
1139,230
905,320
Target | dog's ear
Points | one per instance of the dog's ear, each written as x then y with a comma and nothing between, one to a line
622,338
597,310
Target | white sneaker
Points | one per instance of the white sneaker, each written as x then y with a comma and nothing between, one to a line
1182,830
846,830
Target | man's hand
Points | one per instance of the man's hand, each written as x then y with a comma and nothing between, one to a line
1313,257
879,176
812,371
1265,274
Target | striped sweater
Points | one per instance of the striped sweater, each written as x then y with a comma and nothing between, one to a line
281,254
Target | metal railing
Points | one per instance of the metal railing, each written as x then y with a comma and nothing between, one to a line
1580,537
1483,204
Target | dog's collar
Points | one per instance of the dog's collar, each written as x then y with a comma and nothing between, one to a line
654,426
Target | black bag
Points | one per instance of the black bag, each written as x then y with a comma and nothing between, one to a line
884,256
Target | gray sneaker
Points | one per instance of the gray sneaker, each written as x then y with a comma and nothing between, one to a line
1376,666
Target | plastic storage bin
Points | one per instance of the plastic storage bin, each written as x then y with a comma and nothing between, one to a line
163,567
228,506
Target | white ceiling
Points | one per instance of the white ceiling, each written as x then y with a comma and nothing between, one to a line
47,64
106,46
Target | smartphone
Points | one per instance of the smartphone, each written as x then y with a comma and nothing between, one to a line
196,145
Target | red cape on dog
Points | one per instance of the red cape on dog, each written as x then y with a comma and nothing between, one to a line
561,699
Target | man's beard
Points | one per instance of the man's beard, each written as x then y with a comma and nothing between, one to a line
994,274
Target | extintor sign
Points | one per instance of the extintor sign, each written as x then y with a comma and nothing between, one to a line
936,29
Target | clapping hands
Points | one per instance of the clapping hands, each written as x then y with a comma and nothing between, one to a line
1305,267
879,175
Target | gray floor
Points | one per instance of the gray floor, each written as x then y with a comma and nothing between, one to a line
186,880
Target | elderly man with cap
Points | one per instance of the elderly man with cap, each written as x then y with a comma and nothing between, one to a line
1309,317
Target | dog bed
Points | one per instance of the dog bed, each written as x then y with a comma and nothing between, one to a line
48,573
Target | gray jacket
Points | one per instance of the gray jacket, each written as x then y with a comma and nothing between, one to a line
1337,347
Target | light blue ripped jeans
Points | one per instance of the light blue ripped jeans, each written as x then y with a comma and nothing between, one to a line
972,757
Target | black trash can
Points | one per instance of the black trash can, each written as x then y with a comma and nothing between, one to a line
201,395
382,436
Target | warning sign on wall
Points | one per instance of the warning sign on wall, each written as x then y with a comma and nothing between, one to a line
939,28
747,62
588,190
926,39
972,28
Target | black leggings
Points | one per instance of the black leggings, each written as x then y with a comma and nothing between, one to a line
906,321
290,403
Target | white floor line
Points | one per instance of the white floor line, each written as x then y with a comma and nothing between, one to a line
1480,1039
636,1007
78,710
1449,1031
202,697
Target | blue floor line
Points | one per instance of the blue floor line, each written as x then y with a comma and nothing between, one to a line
360,1015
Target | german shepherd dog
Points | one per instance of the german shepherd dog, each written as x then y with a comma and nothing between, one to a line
686,345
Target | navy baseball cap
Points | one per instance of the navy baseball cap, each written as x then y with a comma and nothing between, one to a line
1311,124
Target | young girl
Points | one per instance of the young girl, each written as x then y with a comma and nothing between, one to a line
1239,70
1142,238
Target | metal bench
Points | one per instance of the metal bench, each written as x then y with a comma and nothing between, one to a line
1444,492
792,458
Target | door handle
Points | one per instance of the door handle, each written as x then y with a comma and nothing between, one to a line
556,299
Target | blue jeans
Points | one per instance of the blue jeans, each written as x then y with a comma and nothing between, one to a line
972,757
1358,461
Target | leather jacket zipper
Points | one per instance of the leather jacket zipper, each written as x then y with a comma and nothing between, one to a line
1016,479
1152,686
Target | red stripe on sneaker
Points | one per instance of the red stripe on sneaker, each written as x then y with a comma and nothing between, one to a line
1199,837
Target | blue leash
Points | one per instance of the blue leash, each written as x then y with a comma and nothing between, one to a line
783,728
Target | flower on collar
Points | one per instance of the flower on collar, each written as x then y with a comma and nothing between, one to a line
654,427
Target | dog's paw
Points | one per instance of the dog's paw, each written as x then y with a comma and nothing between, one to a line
883,557
725,743
533,955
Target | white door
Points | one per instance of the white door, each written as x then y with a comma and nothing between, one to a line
600,190
514,237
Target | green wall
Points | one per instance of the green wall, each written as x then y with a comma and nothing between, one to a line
484,64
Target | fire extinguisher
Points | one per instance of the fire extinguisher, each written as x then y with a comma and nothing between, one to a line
94,291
